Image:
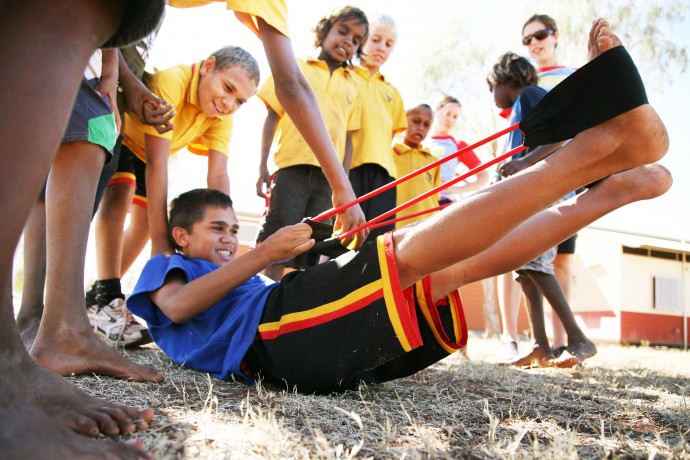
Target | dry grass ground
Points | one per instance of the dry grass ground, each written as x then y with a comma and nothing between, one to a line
626,402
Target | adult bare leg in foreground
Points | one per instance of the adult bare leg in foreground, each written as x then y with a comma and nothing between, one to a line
45,50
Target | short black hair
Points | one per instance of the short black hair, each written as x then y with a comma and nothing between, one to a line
229,56
512,70
189,208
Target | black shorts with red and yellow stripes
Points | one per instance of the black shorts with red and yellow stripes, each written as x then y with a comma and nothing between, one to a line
132,171
347,321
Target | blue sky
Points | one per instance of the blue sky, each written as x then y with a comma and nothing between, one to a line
188,35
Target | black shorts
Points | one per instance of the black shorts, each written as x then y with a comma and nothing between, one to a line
131,170
568,246
347,321
296,192
369,177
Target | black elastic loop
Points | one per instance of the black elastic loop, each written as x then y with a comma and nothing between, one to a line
604,88
326,244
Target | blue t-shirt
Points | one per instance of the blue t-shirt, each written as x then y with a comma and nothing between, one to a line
214,341
529,97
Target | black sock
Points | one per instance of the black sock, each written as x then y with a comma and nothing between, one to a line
108,290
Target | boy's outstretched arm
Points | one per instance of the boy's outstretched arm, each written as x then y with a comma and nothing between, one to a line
263,184
157,155
180,300
532,157
298,100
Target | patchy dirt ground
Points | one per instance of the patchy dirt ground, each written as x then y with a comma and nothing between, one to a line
626,402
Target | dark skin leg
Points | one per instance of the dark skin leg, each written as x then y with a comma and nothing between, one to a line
31,310
65,343
579,346
39,403
541,352
109,226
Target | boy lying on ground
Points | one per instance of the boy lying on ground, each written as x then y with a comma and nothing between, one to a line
383,311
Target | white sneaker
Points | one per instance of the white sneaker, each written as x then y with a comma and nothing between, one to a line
508,350
116,325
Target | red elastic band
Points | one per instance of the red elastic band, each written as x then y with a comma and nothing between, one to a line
337,210
433,191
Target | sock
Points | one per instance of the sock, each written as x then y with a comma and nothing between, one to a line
108,290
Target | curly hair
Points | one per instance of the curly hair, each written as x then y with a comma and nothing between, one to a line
189,208
512,70
344,14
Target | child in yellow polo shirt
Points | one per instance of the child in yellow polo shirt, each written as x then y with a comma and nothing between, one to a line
268,20
204,96
299,188
383,116
411,156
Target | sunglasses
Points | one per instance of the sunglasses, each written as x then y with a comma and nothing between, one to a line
539,35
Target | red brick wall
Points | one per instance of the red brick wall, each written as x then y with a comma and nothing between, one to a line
654,328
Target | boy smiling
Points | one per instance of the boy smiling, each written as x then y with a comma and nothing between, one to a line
204,96
383,311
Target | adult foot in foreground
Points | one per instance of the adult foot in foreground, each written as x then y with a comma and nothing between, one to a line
27,432
537,357
52,394
74,349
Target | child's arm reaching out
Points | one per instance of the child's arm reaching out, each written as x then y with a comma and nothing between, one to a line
157,155
180,300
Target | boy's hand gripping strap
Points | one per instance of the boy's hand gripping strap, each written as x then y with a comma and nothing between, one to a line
604,88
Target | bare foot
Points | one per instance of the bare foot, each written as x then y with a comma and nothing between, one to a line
58,397
575,354
28,432
538,357
68,351
600,38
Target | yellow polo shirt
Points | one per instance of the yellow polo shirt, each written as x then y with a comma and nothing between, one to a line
407,160
338,97
383,116
274,12
179,86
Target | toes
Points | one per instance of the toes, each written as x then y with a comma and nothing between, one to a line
82,424
111,422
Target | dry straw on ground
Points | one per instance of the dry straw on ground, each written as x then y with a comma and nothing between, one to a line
627,402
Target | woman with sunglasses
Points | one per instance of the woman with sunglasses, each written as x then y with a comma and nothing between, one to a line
540,36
